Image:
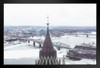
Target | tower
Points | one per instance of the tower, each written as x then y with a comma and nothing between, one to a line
47,50
48,55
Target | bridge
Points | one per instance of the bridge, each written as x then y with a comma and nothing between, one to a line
40,42
86,34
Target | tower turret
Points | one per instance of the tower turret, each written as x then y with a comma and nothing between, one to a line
47,50
48,54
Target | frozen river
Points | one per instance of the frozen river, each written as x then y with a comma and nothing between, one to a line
73,40
25,53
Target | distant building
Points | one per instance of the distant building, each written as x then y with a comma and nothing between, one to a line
86,51
40,32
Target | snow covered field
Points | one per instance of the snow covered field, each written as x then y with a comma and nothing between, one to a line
25,53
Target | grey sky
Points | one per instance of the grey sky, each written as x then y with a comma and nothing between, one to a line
59,14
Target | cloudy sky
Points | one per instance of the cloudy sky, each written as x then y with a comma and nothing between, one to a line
59,14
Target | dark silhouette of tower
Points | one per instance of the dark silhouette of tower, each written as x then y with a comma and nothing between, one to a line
47,50
47,55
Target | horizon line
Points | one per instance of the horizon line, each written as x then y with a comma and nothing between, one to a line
51,25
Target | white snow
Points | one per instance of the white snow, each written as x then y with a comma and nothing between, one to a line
25,53
93,32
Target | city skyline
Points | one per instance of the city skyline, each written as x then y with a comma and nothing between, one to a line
59,14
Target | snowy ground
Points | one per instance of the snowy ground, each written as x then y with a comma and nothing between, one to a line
25,53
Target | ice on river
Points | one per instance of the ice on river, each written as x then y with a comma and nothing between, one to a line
25,53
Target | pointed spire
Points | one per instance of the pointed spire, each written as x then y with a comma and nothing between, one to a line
46,62
48,23
49,61
59,61
47,57
47,18
63,60
47,27
47,45
48,51
43,61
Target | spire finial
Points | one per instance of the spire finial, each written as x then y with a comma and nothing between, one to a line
47,22
47,18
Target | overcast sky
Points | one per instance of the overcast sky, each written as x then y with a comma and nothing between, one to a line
59,14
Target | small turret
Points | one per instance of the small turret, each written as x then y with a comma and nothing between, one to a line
63,60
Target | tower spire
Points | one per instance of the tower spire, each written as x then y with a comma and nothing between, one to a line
48,24
48,49
48,52
47,18
48,21
47,27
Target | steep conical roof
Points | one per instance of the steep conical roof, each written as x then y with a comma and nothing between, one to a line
47,49
47,45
